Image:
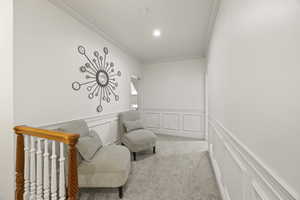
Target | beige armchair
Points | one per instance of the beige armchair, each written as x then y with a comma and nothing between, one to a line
134,136
99,166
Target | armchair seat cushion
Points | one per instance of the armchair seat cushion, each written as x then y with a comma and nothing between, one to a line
139,140
110,167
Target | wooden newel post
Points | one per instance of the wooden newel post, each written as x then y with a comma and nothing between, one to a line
19,168
72,175
38,188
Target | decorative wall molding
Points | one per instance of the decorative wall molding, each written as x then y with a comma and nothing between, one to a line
258,181
258,193
217,172
173,110
170,121
177,122
106,125
153,120
189,122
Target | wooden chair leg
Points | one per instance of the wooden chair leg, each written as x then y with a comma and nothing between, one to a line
121,192
134,156
154,150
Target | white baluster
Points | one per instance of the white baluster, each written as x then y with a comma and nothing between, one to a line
32,170
62,185
53,173
26,168
39,172
46,171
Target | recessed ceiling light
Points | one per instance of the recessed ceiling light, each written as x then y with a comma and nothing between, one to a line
156,33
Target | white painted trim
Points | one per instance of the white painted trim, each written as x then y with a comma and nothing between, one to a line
195,115
258,190
154,113
179,130
92,121
179,134
174,110
206,103
177,119
226,193
278,187
235,157
211,150
217,173
240,164
100,124
87,118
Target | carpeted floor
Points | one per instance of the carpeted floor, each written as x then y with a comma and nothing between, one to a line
180,170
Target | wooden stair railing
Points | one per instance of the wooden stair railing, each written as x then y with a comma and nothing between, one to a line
33,160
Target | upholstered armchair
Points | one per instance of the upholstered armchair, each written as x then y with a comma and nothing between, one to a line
99,166
134,136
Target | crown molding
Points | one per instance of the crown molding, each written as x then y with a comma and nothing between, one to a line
90,25
87,23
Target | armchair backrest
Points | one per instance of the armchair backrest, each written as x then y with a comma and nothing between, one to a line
131,115
76,126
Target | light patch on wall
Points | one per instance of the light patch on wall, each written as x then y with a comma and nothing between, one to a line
133,90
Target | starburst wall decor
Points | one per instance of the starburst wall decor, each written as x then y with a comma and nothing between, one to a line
100,77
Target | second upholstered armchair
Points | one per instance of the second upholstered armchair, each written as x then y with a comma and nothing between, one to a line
134,136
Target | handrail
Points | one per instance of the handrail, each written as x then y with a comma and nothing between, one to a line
67,138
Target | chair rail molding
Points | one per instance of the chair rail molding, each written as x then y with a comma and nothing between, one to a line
106,125
240,173
177,122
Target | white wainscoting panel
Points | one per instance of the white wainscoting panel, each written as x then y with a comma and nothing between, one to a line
233,173
179,122
104,132
152,119
240,174
192,122
171,121
106,125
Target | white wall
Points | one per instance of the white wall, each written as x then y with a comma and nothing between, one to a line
174,85
173,96
253,69
6,100
47,62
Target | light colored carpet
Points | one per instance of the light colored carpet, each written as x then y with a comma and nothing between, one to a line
180,170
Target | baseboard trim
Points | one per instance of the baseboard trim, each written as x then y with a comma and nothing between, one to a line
174,110
217,173
186,135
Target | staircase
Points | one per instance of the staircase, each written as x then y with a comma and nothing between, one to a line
41,164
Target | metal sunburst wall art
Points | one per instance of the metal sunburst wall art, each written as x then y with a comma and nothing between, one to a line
100,77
